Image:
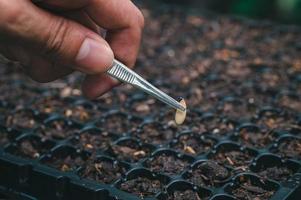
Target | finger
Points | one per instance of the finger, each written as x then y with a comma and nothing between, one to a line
124,23
38,68
60,40
65,4
4,50
95,85
44,71
82,18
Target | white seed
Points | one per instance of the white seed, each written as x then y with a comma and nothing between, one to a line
180,115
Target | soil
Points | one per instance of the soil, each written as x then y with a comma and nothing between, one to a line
129,152
290,103
103,171
119,124
144,107
116,123
214,126
48,104
81,114
68,163
185,195
93,140
239,160
155,133
3,138
4,110
32,149
247,191
289,148
256,139
193,145
235,110
208,173
57,130
275,121
167,119
22,119
142,187
167,164
278,173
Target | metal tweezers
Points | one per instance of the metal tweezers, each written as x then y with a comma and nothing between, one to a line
126,75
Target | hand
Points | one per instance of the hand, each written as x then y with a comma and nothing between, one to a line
52,38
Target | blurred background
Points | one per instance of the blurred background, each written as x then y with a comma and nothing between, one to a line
284,11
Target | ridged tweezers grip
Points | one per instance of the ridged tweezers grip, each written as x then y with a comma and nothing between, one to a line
126,75
121,73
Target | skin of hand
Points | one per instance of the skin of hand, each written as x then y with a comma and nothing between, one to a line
53,38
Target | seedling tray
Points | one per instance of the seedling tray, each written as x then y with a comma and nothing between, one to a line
241,140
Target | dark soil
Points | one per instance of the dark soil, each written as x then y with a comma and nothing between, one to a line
168,120
290,102
235,110
119,124
103,171
185,195
256,139
278,173
3,138
214,125
49,104
22,119
93,140
193,145
145,106
31,149
239,160
58,130
142,187
247,191
129,152
167,164
289,148
275,121
116,123
81,114
208,173
65,164
155,133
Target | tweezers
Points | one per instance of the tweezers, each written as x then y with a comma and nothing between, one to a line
126,75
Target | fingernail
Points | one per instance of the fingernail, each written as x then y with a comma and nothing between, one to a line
94,57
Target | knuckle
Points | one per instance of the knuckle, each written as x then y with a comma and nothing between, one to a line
55,39
11,15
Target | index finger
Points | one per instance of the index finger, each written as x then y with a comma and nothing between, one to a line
124,23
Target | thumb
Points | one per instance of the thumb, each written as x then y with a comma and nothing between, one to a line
58,39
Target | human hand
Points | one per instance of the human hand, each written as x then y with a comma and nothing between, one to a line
52,38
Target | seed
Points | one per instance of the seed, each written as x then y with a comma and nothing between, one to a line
229,160
180,115
142,108
89,146
65,168
68,113
36,155
189,149
139,153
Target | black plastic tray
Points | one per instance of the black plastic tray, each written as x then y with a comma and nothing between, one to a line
31,177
